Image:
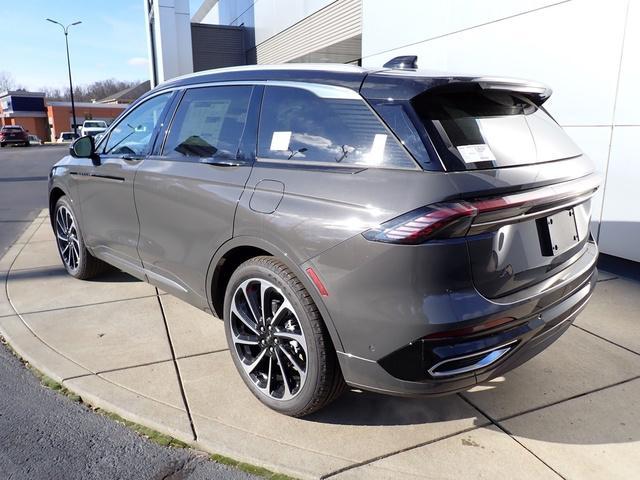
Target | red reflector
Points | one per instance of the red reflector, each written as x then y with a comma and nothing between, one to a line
469,330
317,282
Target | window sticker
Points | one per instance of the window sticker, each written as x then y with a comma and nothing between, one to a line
476,153
376,154
280,141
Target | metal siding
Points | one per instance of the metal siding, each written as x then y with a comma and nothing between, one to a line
336,22
216,46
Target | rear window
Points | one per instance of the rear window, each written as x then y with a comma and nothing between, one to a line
480,129
95,125
12,129
298,126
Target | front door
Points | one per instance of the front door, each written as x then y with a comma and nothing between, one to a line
186,195
105,186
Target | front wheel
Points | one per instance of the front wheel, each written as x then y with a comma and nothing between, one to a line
77,260
278,340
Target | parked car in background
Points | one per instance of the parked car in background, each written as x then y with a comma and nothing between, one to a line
391,229
13,135
67,137
93,127
35,140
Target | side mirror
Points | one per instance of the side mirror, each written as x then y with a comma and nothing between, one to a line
83,147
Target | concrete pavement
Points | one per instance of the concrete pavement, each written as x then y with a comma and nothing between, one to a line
44,434
572,412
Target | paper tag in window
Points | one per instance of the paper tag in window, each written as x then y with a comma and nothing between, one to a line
476,153
280,141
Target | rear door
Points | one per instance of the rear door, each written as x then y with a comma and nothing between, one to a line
186,194
105,185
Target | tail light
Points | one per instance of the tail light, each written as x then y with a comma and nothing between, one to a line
435,221
457,219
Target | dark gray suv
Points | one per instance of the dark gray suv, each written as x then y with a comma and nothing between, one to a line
388,229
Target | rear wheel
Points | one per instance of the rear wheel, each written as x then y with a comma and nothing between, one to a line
278,340
77,260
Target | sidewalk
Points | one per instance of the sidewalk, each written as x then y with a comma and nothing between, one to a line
573,411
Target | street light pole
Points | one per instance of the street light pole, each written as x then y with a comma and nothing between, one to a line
66,41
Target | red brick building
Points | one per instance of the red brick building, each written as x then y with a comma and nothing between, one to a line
48,119
60,115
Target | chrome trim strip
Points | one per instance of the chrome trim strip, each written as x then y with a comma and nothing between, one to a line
319,89
164,280
540,213
492,355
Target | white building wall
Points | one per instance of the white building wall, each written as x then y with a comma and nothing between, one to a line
586,50
170,22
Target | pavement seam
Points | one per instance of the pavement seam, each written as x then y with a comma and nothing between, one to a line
397,452
507,432
146,364
135,392
177,367
605,339
70,307
275,440
573,397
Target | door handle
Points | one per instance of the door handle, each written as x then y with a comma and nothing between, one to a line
220,162
132,158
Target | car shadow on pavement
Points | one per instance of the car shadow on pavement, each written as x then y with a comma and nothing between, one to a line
360,408
596,418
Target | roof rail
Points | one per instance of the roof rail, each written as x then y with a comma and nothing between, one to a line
404,62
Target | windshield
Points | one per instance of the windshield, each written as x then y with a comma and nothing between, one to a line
477,129
11,129
95,125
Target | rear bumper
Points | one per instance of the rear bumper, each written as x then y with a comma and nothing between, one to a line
529,338
7,141
386,351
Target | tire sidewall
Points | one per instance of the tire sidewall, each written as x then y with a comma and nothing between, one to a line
307,393
82,257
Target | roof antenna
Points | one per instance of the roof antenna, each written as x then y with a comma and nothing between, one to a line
405,62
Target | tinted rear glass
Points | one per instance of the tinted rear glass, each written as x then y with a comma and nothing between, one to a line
478,129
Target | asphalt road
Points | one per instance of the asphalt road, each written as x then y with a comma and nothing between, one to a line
46,435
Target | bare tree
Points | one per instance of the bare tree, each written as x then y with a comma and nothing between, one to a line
86,93
6,81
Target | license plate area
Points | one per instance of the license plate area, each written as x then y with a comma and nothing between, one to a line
558,232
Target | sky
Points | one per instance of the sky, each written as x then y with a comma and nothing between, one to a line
109,43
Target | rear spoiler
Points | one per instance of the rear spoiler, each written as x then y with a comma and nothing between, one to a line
535,92
401,80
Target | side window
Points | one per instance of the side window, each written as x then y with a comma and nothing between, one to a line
297,125
209,122
134,131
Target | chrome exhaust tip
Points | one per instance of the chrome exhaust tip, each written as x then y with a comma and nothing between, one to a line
468,363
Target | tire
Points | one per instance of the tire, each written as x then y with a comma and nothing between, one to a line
27,144
317,380
75,257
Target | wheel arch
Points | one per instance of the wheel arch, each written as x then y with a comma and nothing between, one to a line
55,194
239,249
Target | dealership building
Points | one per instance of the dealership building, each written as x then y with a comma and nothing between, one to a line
586,50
